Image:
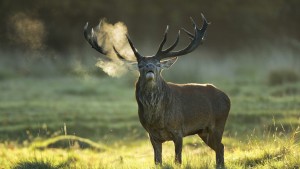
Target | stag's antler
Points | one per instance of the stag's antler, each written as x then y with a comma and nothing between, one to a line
196,39
92,39
136,53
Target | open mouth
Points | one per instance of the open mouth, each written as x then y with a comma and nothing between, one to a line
150,75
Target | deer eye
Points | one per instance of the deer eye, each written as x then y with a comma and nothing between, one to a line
158,64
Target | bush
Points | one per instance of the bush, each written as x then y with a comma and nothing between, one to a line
279,77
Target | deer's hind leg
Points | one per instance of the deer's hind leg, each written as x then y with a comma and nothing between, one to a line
213,140
178,149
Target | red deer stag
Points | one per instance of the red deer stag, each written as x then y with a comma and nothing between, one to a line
170,111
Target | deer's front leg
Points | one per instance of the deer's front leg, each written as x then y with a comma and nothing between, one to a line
157,147
178,149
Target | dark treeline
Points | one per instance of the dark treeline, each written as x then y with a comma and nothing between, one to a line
234,23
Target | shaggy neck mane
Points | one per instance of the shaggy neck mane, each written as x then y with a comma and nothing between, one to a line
151,95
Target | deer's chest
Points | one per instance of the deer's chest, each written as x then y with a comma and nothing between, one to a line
153,117
161,135
151,109
157,124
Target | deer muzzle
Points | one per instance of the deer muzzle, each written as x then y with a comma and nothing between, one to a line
150,75
150,71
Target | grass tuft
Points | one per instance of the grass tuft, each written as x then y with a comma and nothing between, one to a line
38,164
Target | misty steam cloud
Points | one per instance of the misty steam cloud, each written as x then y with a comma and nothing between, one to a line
109,35
27,31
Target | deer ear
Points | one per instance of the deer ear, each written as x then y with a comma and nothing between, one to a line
165,64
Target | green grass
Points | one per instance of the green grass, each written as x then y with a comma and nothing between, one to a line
262,130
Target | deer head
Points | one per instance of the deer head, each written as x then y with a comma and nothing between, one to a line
150,67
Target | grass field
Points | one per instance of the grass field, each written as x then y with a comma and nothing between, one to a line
68,121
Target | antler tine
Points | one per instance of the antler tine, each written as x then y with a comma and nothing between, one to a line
196,39
160,50
136,54
191,36
163,41
92,39
204,26
193,22
130,62
174,44
118,54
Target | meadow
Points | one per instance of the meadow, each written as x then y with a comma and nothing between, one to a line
83,119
